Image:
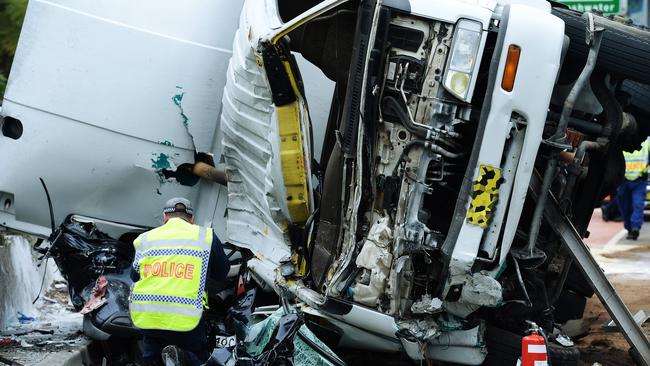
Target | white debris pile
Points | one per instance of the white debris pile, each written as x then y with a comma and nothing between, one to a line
20,278
28,331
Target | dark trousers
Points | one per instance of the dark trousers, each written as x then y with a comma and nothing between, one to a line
631,200
194,342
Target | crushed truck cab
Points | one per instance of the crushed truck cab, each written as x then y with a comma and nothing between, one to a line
398,228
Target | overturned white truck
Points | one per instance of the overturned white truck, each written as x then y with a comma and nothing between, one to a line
419,232
409,217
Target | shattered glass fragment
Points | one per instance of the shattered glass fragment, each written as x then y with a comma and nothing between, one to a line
260,334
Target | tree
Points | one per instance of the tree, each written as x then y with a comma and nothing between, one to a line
12,13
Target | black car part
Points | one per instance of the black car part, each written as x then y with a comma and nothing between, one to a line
83,253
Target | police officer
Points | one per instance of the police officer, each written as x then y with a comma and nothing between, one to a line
171,266
632,191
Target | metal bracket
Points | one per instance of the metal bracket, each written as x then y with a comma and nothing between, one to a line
591,28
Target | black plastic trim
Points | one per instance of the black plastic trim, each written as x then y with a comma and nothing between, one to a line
403,5
281,90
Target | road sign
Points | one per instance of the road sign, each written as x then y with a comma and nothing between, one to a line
603,6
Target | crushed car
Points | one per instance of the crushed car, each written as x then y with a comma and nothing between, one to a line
402,208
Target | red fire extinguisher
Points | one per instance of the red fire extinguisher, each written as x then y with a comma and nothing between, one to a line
533,348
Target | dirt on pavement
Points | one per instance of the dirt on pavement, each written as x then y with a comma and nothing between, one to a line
611,348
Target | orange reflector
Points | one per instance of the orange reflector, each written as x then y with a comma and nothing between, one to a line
510,71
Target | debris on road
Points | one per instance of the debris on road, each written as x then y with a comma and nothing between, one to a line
7,342
640,318
24,319
52,329
564,340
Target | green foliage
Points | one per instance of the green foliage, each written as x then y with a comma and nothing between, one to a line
12,13
11,16
3,85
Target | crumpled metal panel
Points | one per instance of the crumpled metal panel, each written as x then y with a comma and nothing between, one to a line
249,128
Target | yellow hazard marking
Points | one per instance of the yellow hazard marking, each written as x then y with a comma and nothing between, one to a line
485,193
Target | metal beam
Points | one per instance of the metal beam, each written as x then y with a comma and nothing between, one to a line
640,346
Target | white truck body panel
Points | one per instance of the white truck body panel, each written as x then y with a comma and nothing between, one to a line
104,91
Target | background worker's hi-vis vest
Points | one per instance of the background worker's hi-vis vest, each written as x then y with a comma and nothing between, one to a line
636,163
172,261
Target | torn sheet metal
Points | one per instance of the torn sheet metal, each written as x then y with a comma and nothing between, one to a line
256,218
252,164
424,330
427,305
481,289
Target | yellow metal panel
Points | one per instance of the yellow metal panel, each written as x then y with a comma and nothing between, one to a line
485,194
293,164
292,155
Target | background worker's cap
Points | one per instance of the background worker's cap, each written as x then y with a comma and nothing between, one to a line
170,206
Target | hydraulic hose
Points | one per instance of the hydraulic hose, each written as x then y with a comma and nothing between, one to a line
427,145
446,153
449,143
419,131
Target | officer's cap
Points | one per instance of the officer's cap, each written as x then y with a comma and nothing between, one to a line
170,206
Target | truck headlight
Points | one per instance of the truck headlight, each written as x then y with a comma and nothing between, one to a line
462,58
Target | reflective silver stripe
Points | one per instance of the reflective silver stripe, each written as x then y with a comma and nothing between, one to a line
202,234
163,308
143,241
155,244
201,243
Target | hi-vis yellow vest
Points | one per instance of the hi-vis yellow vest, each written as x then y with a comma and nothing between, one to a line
636,163
172,261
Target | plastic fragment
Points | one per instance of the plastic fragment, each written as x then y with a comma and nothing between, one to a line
24,319
564,340
97,299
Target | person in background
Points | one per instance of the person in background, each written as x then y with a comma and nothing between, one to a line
610,210
632,191
171,267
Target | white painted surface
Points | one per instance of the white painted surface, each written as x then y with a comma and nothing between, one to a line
252,161
452,10
538,66
536,348
92,83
